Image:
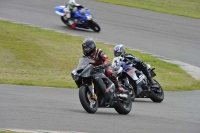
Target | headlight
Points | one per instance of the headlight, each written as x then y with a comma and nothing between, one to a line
89,17
75,75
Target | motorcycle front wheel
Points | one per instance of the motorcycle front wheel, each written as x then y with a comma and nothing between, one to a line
157,94
94,26
89,104
132,92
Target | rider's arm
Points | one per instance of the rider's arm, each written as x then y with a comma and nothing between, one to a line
104,58
130,58
66,10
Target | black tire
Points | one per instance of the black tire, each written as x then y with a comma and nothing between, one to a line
94,26
122,107
133,95
157,96
132,92
85,102
64,21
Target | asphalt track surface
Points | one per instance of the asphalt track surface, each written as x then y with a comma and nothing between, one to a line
57,109
60,110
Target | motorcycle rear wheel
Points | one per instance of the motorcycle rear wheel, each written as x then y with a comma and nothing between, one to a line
125,106
64,21
88,104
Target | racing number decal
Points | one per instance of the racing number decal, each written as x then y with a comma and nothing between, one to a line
131,72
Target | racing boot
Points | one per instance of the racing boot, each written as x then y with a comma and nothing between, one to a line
121,89
117,86
152,82
72,23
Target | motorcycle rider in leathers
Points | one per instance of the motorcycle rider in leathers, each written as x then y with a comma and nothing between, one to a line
70,8
101,60
119,50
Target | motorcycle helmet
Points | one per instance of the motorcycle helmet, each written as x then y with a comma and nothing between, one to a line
119,50
72,2
88,46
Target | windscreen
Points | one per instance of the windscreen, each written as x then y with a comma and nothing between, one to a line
83,62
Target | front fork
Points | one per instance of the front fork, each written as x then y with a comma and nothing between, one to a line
91,90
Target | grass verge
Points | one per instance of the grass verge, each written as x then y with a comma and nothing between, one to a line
188,8
37,57
7,132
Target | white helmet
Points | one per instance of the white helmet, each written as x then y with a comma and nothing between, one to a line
119,50
72,2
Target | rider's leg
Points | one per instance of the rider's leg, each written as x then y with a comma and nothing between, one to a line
114,79
71,20
143,67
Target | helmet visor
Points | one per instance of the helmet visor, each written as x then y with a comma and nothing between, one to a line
86,48
117,54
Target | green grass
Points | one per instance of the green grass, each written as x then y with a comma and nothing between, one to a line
188,8
7,132
32,56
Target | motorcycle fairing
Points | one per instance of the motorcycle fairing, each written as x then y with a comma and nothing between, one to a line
132,74
59,10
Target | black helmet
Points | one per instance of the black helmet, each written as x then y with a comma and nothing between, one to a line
88,46
119,50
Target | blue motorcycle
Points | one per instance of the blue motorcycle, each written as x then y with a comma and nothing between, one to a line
137,81
82,18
